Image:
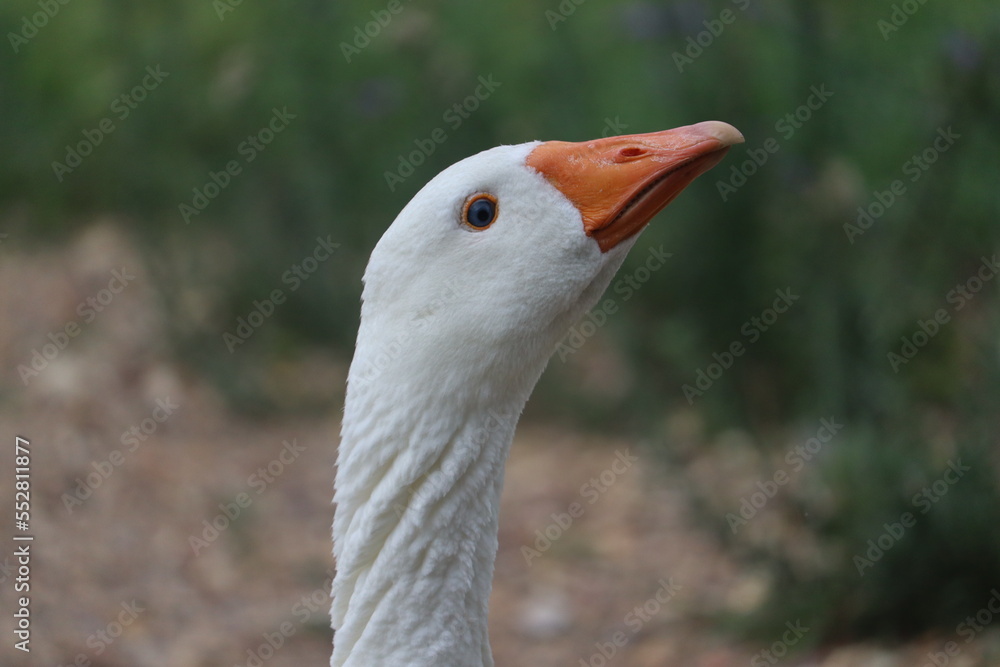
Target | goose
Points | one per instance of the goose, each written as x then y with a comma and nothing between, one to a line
466,296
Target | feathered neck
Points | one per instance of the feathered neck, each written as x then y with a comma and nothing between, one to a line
420,471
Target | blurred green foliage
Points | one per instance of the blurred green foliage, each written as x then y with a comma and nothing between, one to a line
606,65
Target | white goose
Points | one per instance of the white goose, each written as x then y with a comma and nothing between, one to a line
465,298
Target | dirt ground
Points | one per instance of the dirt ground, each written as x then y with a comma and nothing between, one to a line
133,459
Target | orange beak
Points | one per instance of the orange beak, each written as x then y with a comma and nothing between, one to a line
619,183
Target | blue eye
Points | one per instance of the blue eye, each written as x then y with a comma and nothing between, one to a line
480,211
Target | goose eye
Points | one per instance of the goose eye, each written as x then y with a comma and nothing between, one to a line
480,211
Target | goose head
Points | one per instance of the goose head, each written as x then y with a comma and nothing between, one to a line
488,266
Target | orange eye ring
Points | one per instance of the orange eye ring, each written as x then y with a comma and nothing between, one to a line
480,211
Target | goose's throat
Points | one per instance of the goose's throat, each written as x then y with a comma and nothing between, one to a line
416,534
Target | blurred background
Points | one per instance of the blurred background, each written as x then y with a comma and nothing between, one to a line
810,382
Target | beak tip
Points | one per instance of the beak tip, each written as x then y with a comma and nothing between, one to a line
724,132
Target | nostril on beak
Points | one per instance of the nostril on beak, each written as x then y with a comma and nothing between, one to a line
631,151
